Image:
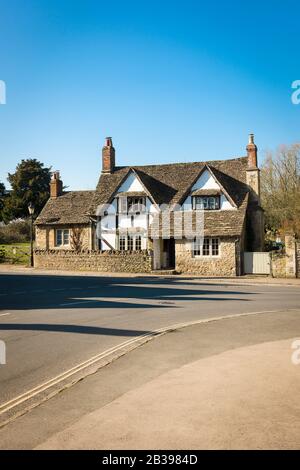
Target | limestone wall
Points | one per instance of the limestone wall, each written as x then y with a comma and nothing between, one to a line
111,262
45,237
278,261
223,265
287,262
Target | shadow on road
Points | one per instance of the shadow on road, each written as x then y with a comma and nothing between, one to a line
27,292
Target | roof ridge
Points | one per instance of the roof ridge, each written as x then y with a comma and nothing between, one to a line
208,162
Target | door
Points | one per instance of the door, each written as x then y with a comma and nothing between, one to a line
257,263
169,253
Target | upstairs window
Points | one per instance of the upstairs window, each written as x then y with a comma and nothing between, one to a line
206,202
131,204
136,204
62,237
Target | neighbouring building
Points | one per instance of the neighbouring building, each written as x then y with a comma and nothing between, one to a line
121,226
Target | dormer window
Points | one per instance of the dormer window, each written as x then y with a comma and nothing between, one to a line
206,202
133,204
136,204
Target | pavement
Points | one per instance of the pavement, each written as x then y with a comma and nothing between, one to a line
56,325
226,384
246,279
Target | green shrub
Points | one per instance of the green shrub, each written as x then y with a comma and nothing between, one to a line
17,231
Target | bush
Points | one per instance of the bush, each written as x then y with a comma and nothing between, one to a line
17,231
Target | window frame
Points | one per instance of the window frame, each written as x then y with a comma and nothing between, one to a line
129,242
63,232
136,204
206,206
207,248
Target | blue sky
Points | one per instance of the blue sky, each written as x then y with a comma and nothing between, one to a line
169,81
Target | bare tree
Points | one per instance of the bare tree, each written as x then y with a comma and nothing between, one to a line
280,188
76,239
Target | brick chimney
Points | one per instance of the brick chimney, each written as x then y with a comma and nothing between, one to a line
56,185
253,177
108,156
252,152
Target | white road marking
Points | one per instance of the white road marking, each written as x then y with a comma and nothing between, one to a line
155,333
4,314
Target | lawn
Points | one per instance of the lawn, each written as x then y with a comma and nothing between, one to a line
16,253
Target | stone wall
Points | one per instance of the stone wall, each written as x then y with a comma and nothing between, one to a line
287,263
106,261
222,265
278,263
45,237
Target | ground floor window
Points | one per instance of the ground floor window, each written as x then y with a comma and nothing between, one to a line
62,237
130,242
206,247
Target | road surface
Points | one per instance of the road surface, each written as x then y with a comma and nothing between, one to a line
50,324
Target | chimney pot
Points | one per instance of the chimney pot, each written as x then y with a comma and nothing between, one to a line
251,138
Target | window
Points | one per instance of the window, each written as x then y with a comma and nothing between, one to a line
62,237
122,243
138,243
197,247
206,202
206,247
215,247
136,204
122,205
130,243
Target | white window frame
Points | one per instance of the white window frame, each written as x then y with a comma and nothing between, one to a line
134,237
63,231
203,241
139,206
204,201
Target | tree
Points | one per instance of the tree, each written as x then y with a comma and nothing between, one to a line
30,184
280,189
2,196
76,239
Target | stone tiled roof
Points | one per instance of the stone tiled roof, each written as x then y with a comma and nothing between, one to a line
171,183
206,192
167,183
215,223
70,208
132,194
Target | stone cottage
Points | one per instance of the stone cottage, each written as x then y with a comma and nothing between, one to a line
136,219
